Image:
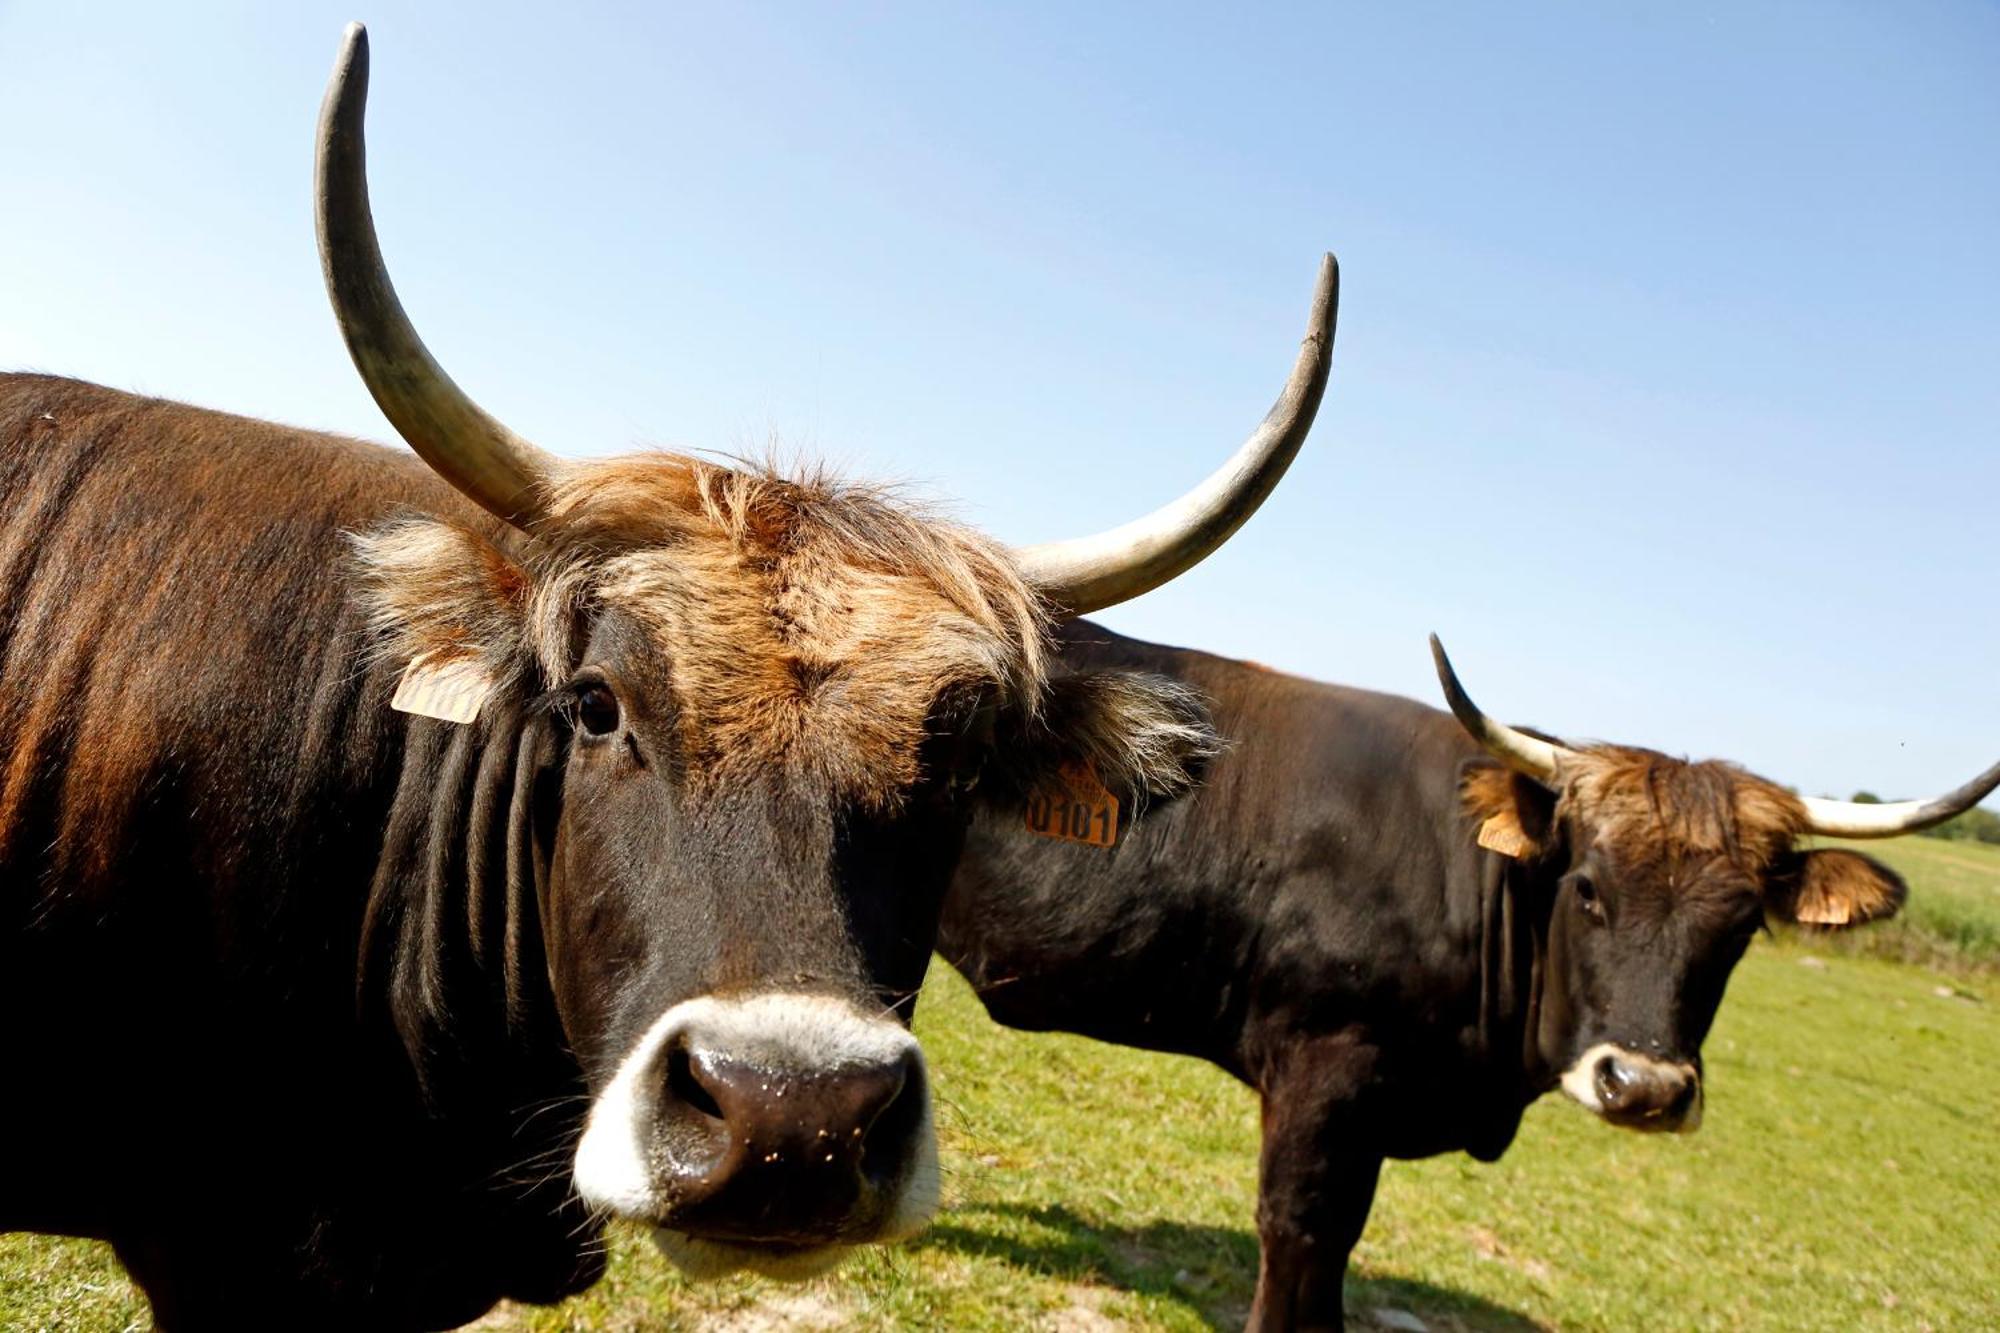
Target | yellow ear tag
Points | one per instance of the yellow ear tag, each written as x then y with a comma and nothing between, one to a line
1074,806
1503,834
450,691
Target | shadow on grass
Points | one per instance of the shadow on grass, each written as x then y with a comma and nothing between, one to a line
1209,1271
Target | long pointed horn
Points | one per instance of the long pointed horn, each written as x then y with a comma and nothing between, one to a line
1084,574
1537,758
449,431
1846,819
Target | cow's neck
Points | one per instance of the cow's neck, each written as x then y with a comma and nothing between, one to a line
451,947
483,1099
1513,966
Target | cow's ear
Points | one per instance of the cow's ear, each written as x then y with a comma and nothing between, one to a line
1515,814
1146,737
436,593
1834,888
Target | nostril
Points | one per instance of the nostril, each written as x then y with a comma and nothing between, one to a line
1683,1099
690,1129
895,1118
879,1091
1611,1078
684,1083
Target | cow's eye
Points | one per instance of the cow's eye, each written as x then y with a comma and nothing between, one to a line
597,709
1586,896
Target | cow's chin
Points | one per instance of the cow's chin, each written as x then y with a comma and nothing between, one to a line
706,1260
702,1259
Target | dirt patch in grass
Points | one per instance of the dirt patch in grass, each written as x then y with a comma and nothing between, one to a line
779,1312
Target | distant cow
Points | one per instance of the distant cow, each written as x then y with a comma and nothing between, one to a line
400,878
1401,930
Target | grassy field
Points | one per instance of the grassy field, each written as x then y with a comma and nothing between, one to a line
1845,1178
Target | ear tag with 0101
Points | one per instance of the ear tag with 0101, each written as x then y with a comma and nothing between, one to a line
1074,806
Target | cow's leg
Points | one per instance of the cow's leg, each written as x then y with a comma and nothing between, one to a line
1316,1183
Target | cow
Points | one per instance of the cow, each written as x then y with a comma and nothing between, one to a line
1401,926
408,864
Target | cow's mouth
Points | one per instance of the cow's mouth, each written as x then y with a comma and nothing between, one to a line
892,1215
704,1260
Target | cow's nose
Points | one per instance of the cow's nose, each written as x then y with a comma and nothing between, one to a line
782,1150
1644,1093
782,1123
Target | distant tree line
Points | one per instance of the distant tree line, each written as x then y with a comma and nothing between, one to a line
1976,825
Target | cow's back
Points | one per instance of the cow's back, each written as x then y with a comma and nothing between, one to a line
180,686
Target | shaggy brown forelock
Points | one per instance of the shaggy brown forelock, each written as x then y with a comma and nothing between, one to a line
812,542
1659,809
806,622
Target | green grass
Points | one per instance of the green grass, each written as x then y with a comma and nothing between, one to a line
1845,1178
47,1283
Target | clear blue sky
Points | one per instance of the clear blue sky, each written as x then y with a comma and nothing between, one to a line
1668,381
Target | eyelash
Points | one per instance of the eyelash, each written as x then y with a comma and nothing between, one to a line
566,702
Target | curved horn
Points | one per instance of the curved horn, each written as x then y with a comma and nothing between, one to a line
1084,574
449,431
1538,758
1846,819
